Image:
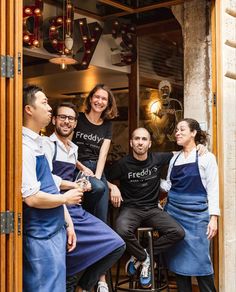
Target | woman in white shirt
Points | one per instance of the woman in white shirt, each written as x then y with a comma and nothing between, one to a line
193,200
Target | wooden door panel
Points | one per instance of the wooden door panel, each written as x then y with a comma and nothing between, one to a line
10,145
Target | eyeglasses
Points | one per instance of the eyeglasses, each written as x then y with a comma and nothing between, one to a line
64,117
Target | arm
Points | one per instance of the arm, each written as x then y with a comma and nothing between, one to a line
84,169
166,184
43,200
71,236
68,185
212,187
102,158
115,195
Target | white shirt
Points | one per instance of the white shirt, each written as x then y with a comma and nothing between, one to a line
208,172
62,153
33,146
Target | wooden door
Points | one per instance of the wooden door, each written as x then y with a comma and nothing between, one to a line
10,145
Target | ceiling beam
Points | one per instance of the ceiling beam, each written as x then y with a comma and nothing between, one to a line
158,5
117,5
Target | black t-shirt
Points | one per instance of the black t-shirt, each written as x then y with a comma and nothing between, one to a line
140,180
89,137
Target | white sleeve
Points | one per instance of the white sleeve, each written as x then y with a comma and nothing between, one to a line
30,184
166,184
49,149
212,185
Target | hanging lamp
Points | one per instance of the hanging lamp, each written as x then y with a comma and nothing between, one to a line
67,44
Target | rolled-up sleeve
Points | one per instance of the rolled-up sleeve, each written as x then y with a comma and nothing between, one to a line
30,184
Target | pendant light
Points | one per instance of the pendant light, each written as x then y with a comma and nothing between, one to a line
65,58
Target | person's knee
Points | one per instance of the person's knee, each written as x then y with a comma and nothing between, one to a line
122,229
179,233
98,187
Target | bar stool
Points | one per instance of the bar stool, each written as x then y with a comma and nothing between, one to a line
133,281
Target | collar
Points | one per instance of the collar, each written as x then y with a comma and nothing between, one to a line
54,138
31,134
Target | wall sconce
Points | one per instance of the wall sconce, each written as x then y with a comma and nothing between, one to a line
155,107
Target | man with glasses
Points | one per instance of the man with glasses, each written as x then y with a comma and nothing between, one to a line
98,246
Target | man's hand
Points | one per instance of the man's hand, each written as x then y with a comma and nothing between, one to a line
71,238
201,149
212,227
73,196
115,196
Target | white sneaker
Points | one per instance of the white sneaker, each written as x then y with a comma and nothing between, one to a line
145,275
102,287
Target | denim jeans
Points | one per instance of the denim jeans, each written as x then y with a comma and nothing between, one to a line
96,201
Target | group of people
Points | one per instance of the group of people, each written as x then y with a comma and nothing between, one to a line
67,244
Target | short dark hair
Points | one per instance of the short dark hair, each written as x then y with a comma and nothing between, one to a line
29,92
201,136
111,111
64,104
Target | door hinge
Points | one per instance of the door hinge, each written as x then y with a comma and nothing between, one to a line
214,99
19,224
7,66
7,222
19,63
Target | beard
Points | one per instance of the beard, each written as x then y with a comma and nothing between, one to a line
62,134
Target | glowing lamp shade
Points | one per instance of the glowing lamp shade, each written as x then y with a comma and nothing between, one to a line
155,107
63,61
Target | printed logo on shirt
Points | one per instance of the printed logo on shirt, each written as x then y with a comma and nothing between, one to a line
90,137
146,172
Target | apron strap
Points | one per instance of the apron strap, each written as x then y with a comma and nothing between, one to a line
55,153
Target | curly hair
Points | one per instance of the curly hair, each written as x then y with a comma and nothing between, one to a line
201,136
111,111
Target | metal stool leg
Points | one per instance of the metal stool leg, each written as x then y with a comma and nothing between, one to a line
150,242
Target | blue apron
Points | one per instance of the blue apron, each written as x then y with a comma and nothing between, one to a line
187,203
95,239
44,240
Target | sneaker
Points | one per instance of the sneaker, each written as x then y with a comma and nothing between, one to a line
145,275
132,266
102,287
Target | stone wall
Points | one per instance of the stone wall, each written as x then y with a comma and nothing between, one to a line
194,17
228,145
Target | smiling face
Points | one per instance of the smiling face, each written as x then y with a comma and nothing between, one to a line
183,134
65,121
140,143
99,101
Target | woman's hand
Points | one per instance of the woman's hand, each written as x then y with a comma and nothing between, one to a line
212,227
202,149
87,171
115,195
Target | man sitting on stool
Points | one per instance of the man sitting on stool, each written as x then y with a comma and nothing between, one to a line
139,176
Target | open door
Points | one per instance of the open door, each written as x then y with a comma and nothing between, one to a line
10,145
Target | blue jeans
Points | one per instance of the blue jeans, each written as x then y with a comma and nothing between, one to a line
96,201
